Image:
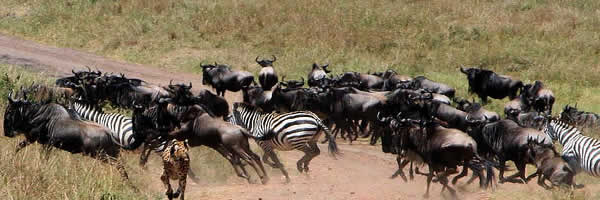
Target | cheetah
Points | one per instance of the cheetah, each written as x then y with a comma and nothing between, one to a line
176,163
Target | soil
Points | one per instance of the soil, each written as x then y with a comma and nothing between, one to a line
362,172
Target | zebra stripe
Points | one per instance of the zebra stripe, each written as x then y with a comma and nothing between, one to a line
284,132
583,150
121,126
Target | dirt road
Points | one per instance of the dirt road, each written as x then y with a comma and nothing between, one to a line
361,173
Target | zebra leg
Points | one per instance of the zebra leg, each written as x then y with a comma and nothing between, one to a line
312,152
266,160
279,164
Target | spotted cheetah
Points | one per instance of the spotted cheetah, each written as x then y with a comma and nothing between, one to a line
176,163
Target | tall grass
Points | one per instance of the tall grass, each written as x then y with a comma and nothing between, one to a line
30,174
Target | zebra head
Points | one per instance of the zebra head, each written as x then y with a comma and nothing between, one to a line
550,127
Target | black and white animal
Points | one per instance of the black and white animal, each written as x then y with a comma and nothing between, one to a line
580,151
298,130
267,77
317,77
121,126
486,83
222,78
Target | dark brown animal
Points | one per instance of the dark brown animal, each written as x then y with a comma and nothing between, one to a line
486,83
267,77
318,75
550,166
222,78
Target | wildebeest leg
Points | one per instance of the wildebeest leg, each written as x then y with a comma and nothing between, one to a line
266,160
410,171
363,128
279,164
429,178
520,173
146,150
542,181
22,145
531,176
443,179
243,152
484,99
230,157
501,170
400,171
165,179
462,174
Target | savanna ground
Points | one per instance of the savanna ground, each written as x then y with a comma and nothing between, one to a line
557,42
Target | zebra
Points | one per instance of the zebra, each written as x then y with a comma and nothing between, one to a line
121,126
580,151
298,130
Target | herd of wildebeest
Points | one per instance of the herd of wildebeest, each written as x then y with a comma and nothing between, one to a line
419,120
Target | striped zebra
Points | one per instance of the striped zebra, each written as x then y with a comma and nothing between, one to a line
121,126
580,151
298,130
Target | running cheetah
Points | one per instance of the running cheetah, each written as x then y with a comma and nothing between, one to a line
176,163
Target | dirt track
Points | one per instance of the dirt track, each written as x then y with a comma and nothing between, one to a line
361,173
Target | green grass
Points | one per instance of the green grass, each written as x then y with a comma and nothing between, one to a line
557,42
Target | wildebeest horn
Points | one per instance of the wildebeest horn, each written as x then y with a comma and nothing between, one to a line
216,63
256,59
575,105
190,85
302,78
283,78
379,117
10,98
73,71
88,67
462,69
171,82
274,58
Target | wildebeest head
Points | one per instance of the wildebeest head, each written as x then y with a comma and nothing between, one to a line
265,62
569,113
14,116
181,93
471,73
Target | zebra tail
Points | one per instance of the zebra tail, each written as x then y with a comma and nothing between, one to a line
333,149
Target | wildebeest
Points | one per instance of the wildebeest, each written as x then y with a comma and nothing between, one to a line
550,166
292,83
231,141
267,77
222,78
541,98
391,79
515,106
366,81
509,141
53,126
217,105
581,119
421,82
318,75
530,120
442,149
258,97
476,111
486,83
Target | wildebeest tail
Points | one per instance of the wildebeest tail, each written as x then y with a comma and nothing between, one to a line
481,164
333,149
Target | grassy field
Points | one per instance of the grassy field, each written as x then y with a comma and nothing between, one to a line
557,42
28,175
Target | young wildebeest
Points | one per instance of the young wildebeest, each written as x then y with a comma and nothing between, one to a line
366,81
442,149
52,125
231,141
530,120
486,83
292,83
222,78
421,82
541,98
267,76
581,119
318,75
391,79
476,110
550,166
257,96
508,141
514,107
217,105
